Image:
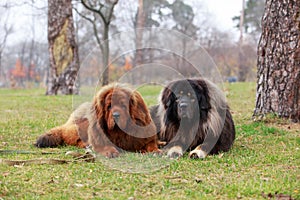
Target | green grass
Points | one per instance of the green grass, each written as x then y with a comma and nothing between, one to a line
265,157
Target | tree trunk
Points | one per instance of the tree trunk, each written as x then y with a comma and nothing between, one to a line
63,50
140,24
30,63
278,75
105,52
243,71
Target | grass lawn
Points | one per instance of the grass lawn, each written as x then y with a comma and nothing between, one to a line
265,157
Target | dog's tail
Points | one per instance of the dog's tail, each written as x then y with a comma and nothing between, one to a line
59,136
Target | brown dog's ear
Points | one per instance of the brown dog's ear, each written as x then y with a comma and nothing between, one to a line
98,107
138,109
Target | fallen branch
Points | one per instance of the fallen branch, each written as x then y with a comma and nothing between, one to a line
87,157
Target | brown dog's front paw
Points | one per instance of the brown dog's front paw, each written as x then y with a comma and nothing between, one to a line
156,152
108,151
48,140
152,147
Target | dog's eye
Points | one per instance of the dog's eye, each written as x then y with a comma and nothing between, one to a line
178,96
108,107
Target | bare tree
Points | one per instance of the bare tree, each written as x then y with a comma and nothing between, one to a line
105,12
183,15
243,68
30,63
140,23
278,76
253,11
63,51
5,31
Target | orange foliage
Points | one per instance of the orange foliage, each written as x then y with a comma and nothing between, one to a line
19,70
127,65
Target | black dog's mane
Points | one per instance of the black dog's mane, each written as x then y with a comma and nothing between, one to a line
173,123
213,131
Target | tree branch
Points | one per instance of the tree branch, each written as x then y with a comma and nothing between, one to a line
111,11
90,8
93,22
83,16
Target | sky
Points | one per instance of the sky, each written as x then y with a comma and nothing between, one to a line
222,11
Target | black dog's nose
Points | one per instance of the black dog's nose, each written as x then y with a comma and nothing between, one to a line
116,115
183,105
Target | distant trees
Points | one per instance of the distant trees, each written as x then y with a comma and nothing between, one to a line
5,30
154,13
249,22
63,51
102,13
187,17
253,12
183,15
18,74
144,19
278,75
139,25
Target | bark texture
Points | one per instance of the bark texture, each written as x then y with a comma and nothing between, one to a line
278,75
63,50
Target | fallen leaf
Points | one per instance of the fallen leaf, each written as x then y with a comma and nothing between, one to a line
20,165
5,174
78,185
198,180
277,196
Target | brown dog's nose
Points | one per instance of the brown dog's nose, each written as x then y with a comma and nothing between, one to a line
116,115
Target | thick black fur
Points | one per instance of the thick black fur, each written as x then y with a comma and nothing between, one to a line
186,113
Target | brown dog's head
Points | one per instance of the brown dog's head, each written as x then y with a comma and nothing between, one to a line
119,106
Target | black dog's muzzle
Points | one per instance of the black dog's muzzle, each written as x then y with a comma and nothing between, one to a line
184,106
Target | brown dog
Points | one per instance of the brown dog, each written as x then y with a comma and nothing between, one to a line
117,119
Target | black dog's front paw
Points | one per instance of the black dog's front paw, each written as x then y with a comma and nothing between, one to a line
197,153
175,152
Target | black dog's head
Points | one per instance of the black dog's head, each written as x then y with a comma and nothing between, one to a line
186,99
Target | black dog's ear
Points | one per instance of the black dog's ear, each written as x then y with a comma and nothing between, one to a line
168,103
167,97
204,104
202,91
203,101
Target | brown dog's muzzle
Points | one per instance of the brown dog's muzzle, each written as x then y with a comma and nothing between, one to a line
116,116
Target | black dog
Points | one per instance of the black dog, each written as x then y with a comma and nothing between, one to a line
193,115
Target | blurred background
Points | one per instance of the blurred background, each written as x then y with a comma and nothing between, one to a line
227,30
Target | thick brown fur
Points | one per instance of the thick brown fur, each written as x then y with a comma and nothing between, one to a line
193,115
117,119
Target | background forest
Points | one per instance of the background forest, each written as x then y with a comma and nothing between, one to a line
24,58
